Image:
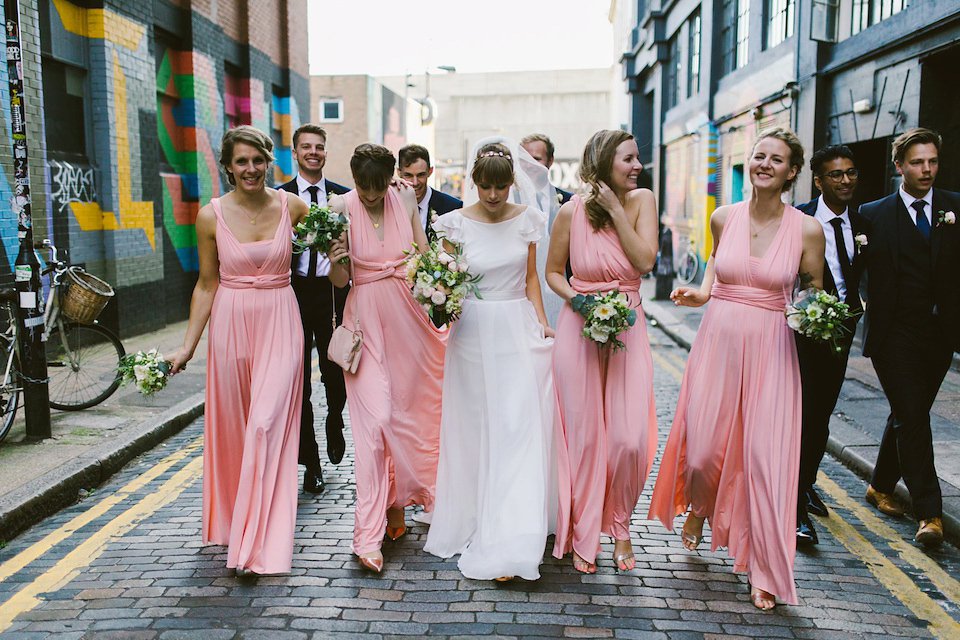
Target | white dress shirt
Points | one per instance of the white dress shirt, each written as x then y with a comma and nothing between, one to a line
303,263
908,201
824,215
424,206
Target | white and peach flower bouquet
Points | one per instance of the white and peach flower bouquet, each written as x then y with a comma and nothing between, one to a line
819,315
605,316
318,229
440,280
148,370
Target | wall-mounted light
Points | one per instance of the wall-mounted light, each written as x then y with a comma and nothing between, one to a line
863,106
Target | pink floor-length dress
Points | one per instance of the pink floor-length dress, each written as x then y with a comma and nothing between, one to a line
252,422
733,453
607,427
394,397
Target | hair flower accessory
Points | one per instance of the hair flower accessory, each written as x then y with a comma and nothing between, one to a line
492,153
860,240
946,217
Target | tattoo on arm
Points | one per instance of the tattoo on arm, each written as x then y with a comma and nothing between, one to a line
806,281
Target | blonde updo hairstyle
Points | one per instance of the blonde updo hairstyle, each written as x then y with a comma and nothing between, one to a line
790,139
493,165
244,134
372,166
596,165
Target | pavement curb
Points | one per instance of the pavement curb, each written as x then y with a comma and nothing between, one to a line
59,487
664,319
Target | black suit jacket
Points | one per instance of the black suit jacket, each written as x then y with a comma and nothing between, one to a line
887,219
859,225
440,203
332,187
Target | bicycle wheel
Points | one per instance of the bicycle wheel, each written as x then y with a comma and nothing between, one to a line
82,362
9,391
687,269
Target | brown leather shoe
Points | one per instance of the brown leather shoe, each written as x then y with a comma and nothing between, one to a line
885,502
930,532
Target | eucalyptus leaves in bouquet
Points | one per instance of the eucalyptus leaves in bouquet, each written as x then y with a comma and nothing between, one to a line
149,371
440,280
605,316
820,316
318,229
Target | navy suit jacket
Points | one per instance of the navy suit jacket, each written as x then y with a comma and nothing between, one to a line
564,196
440,203
887,220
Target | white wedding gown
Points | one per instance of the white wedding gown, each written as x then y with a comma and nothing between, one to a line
496,482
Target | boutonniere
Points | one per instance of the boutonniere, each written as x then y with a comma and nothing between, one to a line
860,240
432,214
946,217
559,197
330,194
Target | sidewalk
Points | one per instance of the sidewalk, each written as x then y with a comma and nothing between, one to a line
859,419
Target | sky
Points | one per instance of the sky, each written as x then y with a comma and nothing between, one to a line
383,37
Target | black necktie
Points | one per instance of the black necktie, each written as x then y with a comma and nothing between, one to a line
923,225
842,254
314,199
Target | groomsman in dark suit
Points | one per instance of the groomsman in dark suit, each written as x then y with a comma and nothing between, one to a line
821,368
316,297
912,321
541,148
413,166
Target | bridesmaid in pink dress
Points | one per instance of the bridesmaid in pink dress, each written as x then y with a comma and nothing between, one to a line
607,431
394,397
254,361
734,450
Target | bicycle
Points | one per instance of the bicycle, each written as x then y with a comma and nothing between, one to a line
82,359
688,265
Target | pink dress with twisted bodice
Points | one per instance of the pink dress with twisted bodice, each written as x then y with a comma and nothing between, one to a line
394,397
607,431
252,416
733,453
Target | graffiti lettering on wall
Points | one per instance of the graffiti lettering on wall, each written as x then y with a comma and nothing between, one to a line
71,183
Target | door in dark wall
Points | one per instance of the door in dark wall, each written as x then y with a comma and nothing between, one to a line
872,158
940,111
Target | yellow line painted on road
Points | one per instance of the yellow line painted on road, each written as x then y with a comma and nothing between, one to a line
69,567
37,549
669,367
888,574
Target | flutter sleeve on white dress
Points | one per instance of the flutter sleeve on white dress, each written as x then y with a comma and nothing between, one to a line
533,227
450,225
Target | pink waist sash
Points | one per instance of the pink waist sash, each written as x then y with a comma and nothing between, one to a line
365,272
762,298
271,281
586,286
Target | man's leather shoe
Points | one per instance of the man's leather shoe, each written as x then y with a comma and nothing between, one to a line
930,533
806,534
313,480
885,502
815,504
335,443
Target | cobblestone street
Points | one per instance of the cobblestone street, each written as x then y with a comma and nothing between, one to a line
126,562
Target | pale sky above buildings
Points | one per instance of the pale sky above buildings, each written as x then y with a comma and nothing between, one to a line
393,37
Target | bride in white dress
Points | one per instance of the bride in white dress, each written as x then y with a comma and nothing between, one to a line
496,482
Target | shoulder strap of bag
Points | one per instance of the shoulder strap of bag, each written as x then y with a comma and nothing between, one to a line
333,299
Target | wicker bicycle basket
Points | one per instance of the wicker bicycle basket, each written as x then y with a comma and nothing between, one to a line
86,296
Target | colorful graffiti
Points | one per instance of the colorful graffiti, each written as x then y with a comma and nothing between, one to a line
71,183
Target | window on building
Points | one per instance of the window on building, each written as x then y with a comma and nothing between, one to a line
780,17
331,110
734,30
869,12
671,86
64,110
693,54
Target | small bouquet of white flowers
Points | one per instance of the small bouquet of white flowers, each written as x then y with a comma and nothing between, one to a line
318,229
819,315
605,316
148,370
440,280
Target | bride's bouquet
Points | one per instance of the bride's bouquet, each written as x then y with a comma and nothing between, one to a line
318,229
440,280
605,316
148,370
819,315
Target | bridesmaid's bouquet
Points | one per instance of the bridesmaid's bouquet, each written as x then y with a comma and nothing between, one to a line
318,229
148,370
605,316
819,315
440,280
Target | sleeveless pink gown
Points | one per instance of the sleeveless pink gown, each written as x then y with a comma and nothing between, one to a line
252,418
394,397
607,427
733,453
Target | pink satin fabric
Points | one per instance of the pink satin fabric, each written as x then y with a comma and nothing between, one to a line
733,453
252,424
607,426
394,397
